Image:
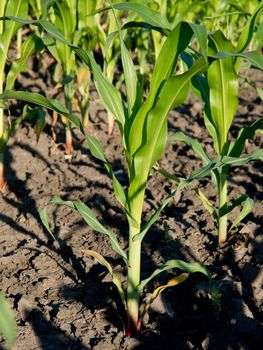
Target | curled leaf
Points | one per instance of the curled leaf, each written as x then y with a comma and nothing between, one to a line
104,262
171,283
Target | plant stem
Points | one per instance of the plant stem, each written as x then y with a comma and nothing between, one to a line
134,271
69,144
134,266
222,219
110,123
2,175
2,130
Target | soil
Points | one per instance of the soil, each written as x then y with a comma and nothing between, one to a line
63,299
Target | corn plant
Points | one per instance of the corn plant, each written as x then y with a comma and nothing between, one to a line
8,31
7,322
143,127
63,14
218,89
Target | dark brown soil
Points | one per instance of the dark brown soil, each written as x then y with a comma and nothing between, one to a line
65,300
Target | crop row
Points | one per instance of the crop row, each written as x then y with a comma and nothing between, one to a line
162,52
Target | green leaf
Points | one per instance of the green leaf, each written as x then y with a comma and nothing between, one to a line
44,219
96,150
175,43
246,133
201,36
239,161
36,99
64,22
247,32
260,93
157,213
17,8
258,39
207,204
7,322
194,144
41,123
223,85
246,209
46,25
90,218
31,45
173,93
151,16
115,278
195,175
109,95
254,57
130,76
172,264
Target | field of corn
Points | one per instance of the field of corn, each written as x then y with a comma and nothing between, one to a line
131,174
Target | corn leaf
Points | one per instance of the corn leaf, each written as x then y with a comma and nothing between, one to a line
246,133
239,161
195,175
201,36
46,25
85,11
115,278
175,43
34,98
129,72
95,146
201,89
2,13
64,22
254,57
228,208
89,217
247,32
175,264
171,283
173,93
260,92
149,15
43,214
31,45
7,322
223,84
258,38
16,8
246,209
96,150
110,95
207,204
40,123
194,144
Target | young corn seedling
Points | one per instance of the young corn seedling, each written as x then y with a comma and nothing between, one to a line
64,16
143,128
218,89
8,31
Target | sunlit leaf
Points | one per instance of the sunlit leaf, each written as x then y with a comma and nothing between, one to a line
179,264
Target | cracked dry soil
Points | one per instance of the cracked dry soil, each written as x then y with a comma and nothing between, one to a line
63,299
